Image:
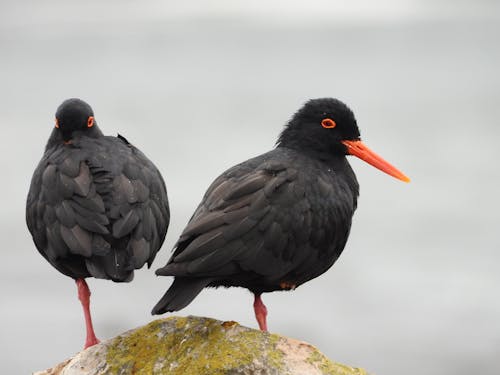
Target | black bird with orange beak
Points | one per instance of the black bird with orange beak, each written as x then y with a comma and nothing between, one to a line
278,220
97,206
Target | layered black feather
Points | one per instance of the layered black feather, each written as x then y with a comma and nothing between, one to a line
282,218
97,207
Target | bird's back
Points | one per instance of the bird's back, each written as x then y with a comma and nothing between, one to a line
97,207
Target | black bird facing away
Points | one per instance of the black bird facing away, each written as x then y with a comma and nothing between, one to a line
278,220
97,206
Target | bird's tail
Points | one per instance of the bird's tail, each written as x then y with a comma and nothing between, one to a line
180,294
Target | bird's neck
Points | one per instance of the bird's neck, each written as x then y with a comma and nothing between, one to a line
349,176
335,162
56,137
313,149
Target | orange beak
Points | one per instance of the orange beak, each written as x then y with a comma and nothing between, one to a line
358,148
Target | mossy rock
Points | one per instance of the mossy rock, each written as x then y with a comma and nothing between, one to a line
196,345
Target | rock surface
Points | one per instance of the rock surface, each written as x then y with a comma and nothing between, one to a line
194,345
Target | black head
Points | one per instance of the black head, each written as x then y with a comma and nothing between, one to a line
74,115
319,127
326,128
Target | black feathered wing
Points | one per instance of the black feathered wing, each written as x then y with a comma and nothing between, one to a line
263,223
98,208
243,225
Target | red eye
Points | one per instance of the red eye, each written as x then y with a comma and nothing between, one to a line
328,123
90,121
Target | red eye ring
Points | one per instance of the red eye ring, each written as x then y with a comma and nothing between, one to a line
328,123
57,123
90,121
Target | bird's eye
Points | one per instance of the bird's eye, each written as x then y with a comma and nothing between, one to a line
57,123
328,123
90,121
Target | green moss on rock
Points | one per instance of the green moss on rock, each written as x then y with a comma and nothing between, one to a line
191,346
200,346
318,360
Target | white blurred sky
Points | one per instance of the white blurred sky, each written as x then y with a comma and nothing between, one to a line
16,13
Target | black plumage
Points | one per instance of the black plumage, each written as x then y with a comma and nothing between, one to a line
275,221
97,206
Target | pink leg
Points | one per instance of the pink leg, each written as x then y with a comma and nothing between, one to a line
260,312
84,297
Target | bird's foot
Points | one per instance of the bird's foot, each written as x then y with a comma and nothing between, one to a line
84,297
91,341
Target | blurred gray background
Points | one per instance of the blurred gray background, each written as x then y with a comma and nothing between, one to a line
202,85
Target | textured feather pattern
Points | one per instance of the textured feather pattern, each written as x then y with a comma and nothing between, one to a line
280,217
97,207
